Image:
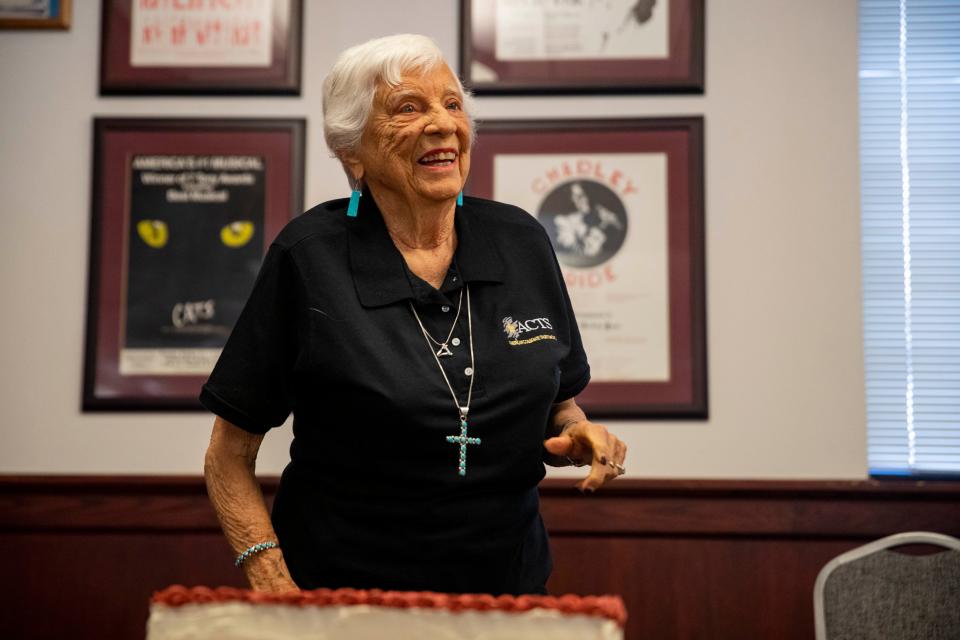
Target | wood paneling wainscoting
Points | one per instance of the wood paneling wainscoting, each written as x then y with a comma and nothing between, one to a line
692,559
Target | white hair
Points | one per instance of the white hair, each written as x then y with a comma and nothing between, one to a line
349,89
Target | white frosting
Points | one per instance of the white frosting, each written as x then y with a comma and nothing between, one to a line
245,621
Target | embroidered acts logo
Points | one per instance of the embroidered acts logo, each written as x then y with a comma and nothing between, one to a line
511,328
514,328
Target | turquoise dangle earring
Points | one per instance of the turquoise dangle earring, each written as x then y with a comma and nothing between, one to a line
460,199
354,205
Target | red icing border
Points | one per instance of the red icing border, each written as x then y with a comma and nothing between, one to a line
611,607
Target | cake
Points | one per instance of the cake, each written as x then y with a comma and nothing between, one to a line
202,613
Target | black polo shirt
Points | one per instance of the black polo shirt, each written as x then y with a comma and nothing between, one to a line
372,497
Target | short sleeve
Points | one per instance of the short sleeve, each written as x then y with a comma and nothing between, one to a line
251,385
574,368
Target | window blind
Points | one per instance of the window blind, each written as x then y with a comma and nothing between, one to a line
910,213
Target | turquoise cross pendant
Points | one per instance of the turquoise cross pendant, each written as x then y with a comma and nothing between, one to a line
463,441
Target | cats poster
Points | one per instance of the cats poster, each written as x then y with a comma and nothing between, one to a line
183,213
194,243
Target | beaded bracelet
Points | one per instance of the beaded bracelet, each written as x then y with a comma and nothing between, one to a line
255,549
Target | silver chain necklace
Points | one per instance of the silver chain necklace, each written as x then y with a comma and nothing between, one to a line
444,349
463,440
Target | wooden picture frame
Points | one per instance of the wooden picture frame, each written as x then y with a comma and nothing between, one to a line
624,46
39,14
183,212
250,49
623,203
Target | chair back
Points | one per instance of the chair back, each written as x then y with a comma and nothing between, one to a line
876,593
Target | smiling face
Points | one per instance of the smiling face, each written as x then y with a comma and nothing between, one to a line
416,145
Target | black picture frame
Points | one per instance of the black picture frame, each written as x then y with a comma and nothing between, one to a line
485,71
532,160
281,75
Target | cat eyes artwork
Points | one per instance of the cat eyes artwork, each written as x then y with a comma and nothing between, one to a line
194,248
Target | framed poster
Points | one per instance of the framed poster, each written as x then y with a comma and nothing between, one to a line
35,14
154,47
622,202
183,213
587,46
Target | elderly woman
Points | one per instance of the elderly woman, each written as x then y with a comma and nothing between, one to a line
427,348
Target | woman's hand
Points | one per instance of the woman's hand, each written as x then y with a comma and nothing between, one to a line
267,572
586,442
230,471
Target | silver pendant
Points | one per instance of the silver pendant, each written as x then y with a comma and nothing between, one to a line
444,350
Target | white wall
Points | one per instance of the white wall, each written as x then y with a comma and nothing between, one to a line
783,269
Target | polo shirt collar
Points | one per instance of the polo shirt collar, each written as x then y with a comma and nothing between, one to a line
379,272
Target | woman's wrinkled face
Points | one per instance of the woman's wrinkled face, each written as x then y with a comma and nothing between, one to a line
417,141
